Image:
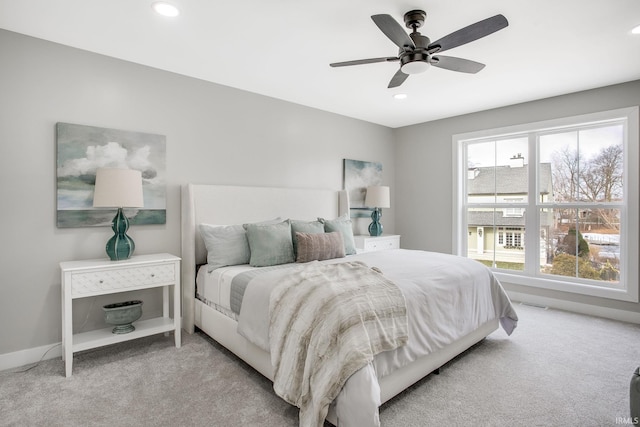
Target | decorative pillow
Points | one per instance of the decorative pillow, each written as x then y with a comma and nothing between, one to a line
318,247
311,227
270,244
267,222
226,245
344,226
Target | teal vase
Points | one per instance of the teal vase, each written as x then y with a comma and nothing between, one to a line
375,228
120,246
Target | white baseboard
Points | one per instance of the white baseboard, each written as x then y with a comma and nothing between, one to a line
30,356
576,307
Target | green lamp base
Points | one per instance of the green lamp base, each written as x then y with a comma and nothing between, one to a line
375,228
120,246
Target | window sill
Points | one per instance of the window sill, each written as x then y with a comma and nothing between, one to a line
620,293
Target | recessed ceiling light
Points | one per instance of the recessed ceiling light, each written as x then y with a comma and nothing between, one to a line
400,96
165,9
636,30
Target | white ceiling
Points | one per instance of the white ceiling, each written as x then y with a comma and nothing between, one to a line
282,48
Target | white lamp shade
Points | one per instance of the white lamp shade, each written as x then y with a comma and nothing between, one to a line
118,188
377,197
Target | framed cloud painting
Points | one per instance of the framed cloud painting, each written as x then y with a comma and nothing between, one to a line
83,149
358,175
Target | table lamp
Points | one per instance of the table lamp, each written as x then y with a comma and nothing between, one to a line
377,198
118,188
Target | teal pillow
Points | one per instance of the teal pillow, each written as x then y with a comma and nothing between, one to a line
308,227
268,221
226,245
270,244
344,226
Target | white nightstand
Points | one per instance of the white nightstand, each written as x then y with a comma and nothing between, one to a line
366,243
81,279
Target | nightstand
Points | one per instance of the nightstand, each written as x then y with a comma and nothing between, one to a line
369,243
88,278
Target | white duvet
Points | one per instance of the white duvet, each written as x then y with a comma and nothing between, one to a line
447,298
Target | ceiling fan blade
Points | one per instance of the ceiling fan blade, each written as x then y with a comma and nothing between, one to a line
394,31
468,34
398,78
364,61
456,64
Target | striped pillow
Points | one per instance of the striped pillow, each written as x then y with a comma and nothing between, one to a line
318,247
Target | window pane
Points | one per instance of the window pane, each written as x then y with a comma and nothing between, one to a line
559,158
591,252
601,169
495,239
582,166
497,171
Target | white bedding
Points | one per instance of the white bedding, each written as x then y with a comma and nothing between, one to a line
215,287
447,298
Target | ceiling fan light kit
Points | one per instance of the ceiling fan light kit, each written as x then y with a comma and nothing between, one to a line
416,52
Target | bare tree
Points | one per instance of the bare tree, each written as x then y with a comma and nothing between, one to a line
601,181
565,173
601,177
566,163
598,179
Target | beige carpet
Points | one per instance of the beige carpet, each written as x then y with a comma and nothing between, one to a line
558,369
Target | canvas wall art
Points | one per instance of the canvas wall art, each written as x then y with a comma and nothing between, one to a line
81,150
358,175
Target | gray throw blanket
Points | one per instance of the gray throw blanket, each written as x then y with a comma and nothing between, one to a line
328,321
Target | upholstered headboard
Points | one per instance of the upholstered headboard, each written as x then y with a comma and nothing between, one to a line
224,205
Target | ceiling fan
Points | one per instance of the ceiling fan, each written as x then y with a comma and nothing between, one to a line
417,52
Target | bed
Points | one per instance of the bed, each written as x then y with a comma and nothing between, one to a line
391,371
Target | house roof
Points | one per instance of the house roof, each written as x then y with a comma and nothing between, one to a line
483,218
503,180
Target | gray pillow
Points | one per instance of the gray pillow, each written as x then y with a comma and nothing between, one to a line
311,227
344,226
318,247
270,244
226,245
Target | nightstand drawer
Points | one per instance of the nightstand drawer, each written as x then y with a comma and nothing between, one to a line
379,243
121,278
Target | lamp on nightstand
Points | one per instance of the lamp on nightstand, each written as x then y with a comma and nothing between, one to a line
118,188
377,198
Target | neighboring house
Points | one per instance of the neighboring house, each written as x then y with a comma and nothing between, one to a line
500,232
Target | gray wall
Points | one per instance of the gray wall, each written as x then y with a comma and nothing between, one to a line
215,134
424,189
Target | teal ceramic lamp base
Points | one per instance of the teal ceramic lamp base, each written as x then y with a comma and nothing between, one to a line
120,246
375,228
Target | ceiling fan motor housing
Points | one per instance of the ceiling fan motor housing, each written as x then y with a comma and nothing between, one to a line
416,60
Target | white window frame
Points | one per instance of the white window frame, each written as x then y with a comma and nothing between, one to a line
628,287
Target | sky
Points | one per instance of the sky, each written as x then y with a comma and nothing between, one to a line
590,142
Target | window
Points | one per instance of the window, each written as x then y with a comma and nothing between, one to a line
575,180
